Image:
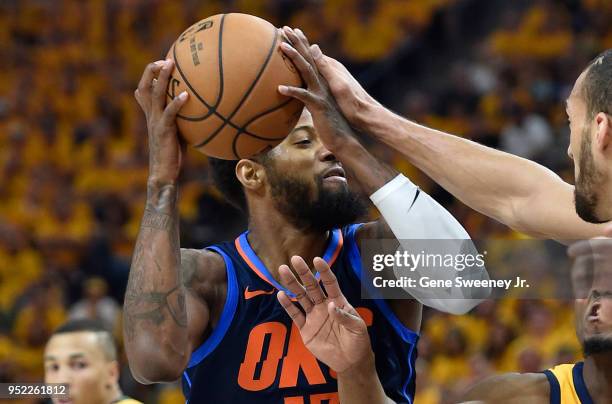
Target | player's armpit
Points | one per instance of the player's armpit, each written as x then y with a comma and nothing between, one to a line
509,388
204,277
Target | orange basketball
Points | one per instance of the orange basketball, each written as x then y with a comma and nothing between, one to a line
231,66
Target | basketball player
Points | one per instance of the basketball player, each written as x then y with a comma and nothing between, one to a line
588,381
212,316
82,354
533,200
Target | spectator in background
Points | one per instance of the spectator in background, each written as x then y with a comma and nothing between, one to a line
526,135
96,304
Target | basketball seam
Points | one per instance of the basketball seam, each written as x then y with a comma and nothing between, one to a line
242,131
246,95
212,109
188,84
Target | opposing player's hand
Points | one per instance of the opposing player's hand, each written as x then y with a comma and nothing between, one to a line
330,327
165,148
332,127
350,96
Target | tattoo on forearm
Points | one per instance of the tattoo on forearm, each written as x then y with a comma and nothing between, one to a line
158,303
157,246
162,198
157,220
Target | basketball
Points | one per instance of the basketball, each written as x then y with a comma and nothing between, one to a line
231,65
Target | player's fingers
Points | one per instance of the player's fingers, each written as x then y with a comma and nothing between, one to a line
351,321
159,89
296,314
146,82
308,279
300,43
138,98
301,94
169,115
289,281
323,63
329,280
306,69
302,36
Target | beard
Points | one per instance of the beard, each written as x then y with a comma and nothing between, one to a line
596,345
589,181
324,211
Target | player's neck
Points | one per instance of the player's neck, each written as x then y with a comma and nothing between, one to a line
276,241
597,374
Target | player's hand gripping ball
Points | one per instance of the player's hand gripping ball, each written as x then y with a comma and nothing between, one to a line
231,65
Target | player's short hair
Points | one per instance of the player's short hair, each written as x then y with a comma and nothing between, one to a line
104,336
597,86
224,176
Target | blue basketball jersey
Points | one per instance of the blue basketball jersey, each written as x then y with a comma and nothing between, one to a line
255,354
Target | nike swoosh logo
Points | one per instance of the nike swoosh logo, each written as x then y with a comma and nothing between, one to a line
248,294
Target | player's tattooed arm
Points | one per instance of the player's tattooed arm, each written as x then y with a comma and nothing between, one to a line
154,307
158,335
170,295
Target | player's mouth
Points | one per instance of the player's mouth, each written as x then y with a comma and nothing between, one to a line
64,400
593,323
335,174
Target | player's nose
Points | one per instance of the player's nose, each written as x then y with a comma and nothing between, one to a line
63,375
593,311
325,154
569,152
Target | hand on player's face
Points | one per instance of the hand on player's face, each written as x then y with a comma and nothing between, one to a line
330,327
332,127
164,145
349,95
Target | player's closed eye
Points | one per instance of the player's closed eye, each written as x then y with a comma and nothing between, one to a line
303,142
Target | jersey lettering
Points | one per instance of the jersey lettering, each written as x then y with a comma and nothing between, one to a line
298,357
253,356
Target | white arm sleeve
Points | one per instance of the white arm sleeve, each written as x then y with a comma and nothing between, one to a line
413,215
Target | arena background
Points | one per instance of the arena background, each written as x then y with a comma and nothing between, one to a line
73,153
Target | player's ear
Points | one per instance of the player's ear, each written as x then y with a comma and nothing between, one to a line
113,373
604,131
250,173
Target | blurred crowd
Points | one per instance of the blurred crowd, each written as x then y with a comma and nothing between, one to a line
73,153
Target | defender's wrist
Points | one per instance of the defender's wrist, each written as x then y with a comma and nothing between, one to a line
361,370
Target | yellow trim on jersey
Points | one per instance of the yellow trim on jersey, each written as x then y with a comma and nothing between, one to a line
563,373
567,385
128,401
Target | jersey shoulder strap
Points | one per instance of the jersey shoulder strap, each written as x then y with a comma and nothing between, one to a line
567,384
